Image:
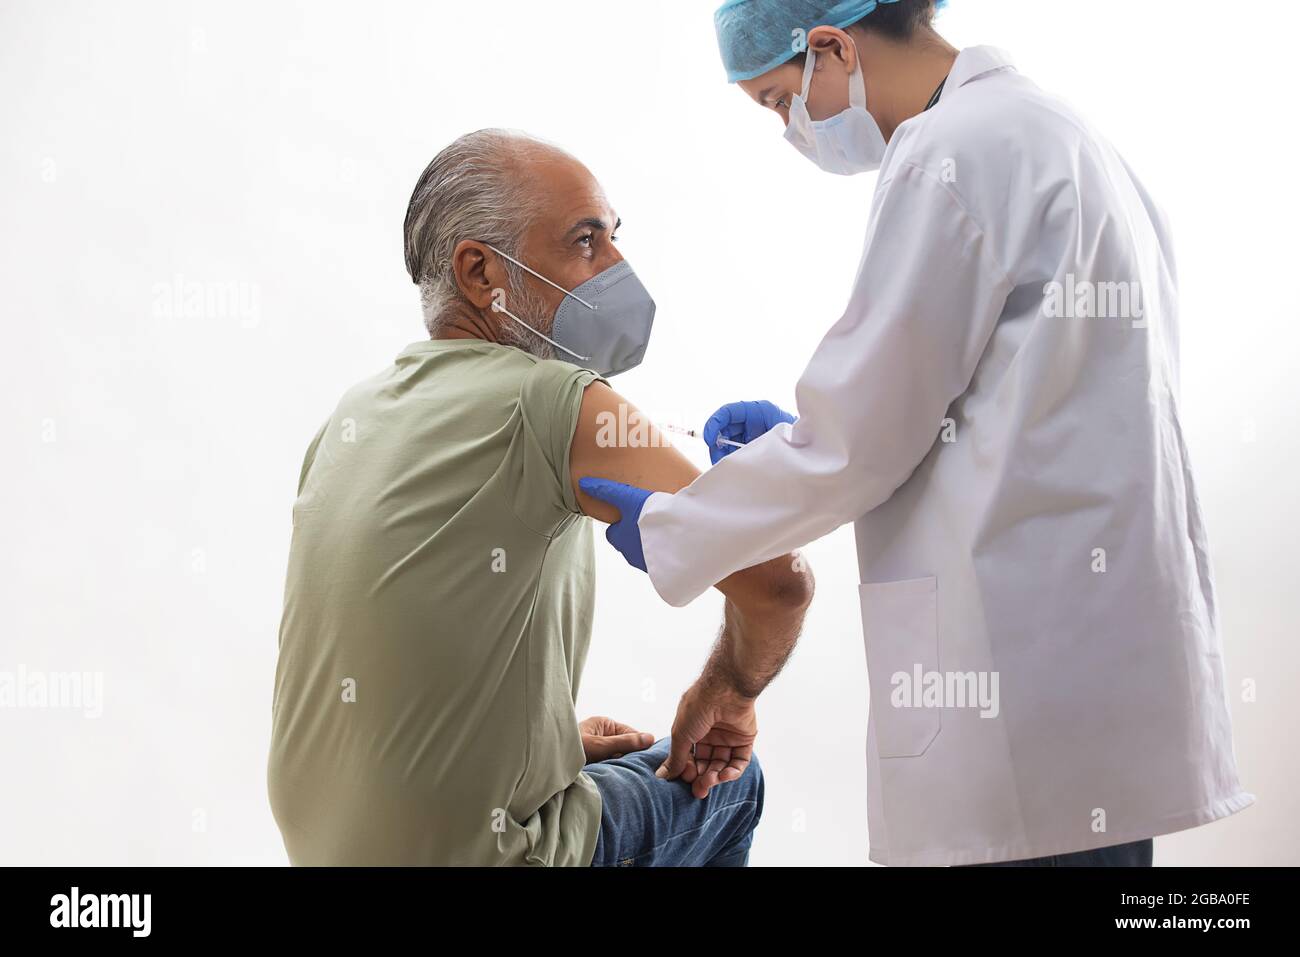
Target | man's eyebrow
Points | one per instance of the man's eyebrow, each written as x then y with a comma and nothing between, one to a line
765,95
592,222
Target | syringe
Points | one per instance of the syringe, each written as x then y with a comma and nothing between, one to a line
682,430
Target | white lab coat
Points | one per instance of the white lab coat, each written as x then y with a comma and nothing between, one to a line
1022,493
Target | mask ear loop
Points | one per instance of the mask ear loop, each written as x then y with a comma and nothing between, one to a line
539,276
497,307
857,91
809,64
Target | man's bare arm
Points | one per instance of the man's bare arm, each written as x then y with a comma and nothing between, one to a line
765,604
757,597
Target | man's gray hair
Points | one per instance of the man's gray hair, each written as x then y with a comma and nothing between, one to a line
477,189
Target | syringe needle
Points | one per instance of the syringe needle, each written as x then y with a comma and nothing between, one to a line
682,430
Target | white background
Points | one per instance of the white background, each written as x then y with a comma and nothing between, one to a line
152,454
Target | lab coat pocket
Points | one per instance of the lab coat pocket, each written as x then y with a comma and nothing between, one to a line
900,627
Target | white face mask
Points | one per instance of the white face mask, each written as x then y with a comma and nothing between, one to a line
848,142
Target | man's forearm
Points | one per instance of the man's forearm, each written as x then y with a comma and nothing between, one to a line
759,632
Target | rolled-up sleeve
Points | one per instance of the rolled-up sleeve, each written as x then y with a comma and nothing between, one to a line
549,401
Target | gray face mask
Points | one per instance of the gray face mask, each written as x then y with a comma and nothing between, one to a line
603,324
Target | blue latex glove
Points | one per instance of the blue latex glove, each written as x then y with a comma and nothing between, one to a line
625,534
741,422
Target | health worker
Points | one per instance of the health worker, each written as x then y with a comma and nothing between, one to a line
997,411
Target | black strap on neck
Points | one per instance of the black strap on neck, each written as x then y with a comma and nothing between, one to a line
937,93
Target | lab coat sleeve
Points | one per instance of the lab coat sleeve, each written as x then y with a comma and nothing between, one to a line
871,402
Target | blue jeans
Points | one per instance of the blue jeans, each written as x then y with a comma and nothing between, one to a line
1135,854
649,822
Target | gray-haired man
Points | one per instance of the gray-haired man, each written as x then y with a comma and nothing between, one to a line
440,589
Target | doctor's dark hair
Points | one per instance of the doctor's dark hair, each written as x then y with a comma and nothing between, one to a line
894,21
899,21
475,188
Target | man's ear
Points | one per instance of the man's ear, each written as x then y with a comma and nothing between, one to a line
833,43
478,271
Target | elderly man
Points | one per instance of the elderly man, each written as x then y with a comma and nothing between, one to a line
439,598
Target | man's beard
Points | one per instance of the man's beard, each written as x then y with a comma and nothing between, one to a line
532,309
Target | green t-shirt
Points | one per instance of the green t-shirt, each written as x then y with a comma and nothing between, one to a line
437,615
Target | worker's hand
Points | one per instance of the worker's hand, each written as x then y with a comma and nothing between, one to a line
722,725
625,535
606,738
741,422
